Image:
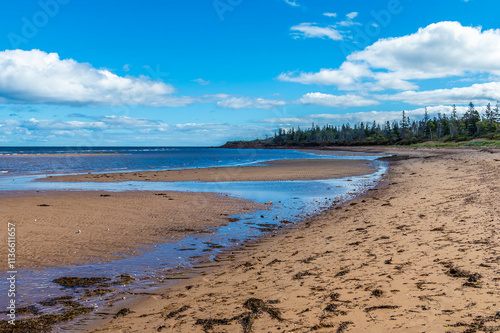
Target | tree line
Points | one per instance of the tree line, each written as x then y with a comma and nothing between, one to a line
441,127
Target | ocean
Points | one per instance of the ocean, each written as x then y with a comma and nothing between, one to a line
27,160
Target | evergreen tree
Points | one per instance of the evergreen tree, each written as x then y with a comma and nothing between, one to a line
427,129
404,125
489,117
471,118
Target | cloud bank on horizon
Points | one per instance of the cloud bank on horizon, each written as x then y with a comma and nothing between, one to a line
436,65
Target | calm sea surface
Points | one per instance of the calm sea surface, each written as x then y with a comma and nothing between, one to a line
42,160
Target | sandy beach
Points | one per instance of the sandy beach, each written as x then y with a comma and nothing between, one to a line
420,253
270,171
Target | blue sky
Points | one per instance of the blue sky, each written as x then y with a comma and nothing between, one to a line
198,73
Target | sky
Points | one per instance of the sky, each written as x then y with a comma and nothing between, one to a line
200,73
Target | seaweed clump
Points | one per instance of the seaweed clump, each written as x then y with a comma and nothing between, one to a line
123,312
256,307
176,312
76,282
44,323
124,279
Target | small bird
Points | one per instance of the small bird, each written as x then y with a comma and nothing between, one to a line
79,231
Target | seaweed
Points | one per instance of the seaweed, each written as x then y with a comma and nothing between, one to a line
473,281
335,296
343,326
381,307
176,312
257,305
97,292
300,275
123,312
208,324
44,323
31,309
54,301
342,273
320,326
247,321
275,261
331,307
76,282
124,279
479,324
377,293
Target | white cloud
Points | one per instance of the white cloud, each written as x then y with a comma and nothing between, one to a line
292,3
440,50
237,103
117,130
39,77
345,77
352,15
312,30
336,101
477,93
349,22
202,82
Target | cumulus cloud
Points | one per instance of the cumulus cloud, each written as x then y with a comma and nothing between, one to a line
440,50
477,93
345,77
38,77
313,30
237,103
330,14
336,101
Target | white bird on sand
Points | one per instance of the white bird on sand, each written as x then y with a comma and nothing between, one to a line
79,231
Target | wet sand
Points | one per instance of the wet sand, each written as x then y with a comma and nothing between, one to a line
68,228
421,253
270,171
